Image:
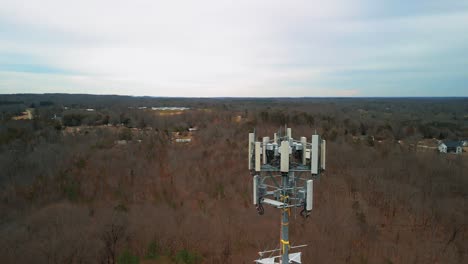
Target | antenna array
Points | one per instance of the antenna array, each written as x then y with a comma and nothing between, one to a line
283,172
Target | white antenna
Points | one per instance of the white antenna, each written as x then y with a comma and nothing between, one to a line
283,171
251,141
314,154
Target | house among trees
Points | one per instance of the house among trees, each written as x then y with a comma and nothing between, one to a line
185,137
57,117
465,145
183,140
455,147
26,115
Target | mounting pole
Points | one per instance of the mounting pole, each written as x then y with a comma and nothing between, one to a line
285,219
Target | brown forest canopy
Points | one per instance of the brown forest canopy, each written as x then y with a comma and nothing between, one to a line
100,179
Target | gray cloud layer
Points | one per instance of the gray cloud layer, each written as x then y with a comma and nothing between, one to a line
240,48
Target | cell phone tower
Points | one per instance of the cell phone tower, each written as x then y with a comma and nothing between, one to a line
283,172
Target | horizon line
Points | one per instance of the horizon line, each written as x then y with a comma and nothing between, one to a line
251,97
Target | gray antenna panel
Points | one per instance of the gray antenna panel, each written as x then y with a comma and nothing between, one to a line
314,155
284,156
251,142
323,154
265,142
310,195
258,151
255,189
304,149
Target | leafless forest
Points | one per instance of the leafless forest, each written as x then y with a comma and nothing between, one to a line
101,179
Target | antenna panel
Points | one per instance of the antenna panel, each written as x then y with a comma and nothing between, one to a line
304,148
289,133
310,195
265,142
323,154
251,142
314,159
258,151
284,156
255,189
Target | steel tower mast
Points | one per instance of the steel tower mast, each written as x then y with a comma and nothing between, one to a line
283,172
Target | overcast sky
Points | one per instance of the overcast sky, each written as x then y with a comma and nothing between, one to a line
235,48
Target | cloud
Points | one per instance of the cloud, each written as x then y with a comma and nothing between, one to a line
225,48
